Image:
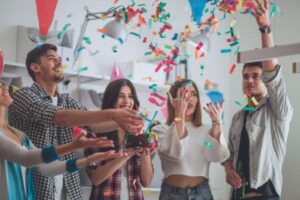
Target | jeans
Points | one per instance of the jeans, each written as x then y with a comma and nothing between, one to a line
199,192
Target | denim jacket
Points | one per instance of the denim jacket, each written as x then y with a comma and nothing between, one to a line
268,128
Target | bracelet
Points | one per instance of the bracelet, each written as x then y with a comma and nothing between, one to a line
49,154
177,119
71,165
216,122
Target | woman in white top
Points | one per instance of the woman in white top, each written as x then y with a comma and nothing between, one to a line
186,146
16,151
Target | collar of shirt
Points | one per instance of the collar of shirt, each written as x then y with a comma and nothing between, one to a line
40,90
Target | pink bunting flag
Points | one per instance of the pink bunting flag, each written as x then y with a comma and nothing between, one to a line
116,73
1,62
45,13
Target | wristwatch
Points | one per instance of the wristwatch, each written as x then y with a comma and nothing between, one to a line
265,29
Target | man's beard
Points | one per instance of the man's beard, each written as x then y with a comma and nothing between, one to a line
58,79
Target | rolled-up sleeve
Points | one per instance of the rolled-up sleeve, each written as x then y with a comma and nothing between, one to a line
169,142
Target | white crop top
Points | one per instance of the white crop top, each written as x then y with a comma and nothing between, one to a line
190,156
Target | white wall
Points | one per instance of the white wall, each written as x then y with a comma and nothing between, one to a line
286,29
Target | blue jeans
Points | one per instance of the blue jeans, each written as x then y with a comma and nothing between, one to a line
199,192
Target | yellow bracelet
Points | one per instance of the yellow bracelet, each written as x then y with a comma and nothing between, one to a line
177,119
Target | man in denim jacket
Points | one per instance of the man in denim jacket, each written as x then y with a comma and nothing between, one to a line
257,138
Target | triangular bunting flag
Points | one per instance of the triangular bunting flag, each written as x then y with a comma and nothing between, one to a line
45,13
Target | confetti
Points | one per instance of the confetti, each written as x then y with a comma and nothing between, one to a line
254,101
248,108
232,68
201,70
238,103
135,34
208,144
151,121
82,69
86,39
14,88
61,33
154,96
120,40
114,49
208,84
225,50
153,87
63,68
175,36
144,39
94,53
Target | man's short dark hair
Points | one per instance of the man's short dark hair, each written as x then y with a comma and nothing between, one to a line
35,54
253,64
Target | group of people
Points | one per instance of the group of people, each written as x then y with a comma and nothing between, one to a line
37,144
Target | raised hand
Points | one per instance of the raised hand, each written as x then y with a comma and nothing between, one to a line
261,13
214,111
180,103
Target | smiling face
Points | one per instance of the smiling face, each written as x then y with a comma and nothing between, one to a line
5,99
49,67
125,98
